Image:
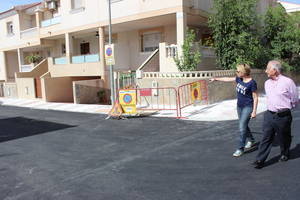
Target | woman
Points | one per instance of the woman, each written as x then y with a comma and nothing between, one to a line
247,101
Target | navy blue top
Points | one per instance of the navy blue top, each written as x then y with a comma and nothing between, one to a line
244,92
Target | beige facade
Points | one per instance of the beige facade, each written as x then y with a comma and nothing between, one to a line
71,34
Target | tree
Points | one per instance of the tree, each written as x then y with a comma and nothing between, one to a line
235,35
282,33
191,56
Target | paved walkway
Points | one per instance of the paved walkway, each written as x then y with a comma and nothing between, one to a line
222,111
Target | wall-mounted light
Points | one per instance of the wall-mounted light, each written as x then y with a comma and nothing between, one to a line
97,34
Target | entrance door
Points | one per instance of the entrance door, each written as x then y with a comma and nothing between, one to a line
85,48
38,87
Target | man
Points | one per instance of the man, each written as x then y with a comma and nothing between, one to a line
282,96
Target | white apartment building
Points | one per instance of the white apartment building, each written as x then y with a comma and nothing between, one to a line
290,7
69,38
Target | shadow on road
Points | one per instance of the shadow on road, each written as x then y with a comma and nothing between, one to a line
19,127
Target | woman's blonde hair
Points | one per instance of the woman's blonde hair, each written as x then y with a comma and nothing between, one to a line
244,68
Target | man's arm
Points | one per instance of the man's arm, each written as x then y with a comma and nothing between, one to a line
294,94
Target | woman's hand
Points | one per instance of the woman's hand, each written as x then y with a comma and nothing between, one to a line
253,114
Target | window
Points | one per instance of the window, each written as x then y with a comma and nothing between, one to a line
63,49
77,4
10,28
150,41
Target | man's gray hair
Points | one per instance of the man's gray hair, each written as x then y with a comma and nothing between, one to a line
275,64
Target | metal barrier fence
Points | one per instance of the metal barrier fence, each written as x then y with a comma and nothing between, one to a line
153,99
166,98
191,93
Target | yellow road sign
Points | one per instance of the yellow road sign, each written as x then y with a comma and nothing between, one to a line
195,91
127,100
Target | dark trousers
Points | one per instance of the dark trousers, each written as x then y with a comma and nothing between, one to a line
279,123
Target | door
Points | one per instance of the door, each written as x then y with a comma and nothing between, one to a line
84,48
38,87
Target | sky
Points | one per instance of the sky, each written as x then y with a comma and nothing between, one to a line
8,4
292,1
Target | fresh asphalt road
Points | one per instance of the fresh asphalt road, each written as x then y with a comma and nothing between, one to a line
74,156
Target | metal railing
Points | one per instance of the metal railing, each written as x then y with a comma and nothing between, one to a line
126,80
60,61
156,99
85,58
192,93
27,68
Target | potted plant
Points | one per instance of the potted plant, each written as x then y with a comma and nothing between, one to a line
101,96
34,58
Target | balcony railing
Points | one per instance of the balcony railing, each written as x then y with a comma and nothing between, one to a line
60,61
78,59
52,21
31,32
85,58
26,68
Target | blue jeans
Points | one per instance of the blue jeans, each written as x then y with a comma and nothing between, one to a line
244,114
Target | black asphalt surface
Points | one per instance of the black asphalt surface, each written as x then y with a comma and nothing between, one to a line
74,156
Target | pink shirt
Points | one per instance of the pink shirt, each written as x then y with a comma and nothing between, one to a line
281,93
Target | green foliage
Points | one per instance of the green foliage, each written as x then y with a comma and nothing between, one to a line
101,96
282,33
191,56
235,37
208,42
34,58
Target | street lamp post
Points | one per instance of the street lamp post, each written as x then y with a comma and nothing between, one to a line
111,69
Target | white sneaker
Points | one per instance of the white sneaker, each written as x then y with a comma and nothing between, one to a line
249,144
238,153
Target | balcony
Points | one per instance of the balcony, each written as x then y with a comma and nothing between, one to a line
85,59
29,33
26,68
60,61
52,21
92,58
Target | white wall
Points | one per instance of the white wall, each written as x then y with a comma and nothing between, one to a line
96,11
9,41
2,66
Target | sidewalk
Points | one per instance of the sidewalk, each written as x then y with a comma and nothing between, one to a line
225,110
69,107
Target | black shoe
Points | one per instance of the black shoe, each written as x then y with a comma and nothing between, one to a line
258,164
283,158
